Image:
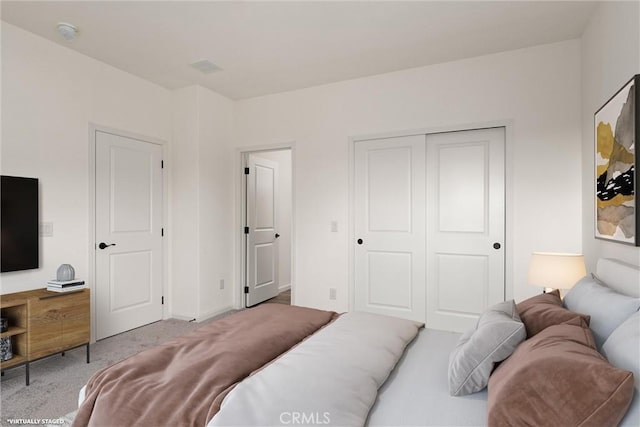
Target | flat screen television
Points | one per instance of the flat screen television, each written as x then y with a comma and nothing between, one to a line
19,242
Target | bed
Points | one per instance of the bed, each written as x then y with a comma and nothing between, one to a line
416,393
329,378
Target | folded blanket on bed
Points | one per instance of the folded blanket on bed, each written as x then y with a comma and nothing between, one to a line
331,379
182,382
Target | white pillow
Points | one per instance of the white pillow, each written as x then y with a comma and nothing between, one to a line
622,349
497,334
607,308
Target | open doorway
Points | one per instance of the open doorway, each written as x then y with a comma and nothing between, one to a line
267,217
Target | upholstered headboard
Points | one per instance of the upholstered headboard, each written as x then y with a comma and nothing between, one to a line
618,275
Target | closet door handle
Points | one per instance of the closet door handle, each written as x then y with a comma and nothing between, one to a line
496,245
360,241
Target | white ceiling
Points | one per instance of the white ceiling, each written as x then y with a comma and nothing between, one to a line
269,47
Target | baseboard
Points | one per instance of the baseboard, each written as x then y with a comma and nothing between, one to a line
181,317
284,288
214,313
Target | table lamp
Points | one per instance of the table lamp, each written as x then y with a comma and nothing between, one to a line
556,270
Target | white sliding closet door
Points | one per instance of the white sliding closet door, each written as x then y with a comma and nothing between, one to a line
429,226
465,226
390,226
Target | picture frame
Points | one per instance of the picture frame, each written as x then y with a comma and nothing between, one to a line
616,137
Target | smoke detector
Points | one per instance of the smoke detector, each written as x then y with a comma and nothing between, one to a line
205,66
67,31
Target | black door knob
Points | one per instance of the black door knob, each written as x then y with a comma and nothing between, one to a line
360,241
277,235
496,245
103,245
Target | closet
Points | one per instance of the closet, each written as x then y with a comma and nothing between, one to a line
429,222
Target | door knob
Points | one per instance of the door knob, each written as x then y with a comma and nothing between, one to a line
496,245
360,241
277,235
103,245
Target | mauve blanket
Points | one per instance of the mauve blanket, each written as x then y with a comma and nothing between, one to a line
183,382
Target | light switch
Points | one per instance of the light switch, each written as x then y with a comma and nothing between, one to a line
334,226
46,229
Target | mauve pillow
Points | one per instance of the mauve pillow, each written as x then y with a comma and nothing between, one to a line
544,310
496,335
606,307
558,378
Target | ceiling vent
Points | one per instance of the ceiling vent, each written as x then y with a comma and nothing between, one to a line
205,66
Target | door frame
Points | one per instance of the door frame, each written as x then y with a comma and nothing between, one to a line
239,217
91,244
507,124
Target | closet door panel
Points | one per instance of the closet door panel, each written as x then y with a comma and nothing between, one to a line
390,226
465,226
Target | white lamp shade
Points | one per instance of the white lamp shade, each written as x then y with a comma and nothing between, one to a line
556,270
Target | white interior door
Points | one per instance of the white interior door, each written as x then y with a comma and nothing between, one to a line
128,233
261,233
465,226
390,226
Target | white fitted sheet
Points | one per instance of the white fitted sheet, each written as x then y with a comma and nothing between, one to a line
417,391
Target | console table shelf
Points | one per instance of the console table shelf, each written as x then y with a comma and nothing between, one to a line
14,308
13,330
44,323
16,360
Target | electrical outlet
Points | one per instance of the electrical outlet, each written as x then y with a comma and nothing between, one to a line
332,293
221,284
334,226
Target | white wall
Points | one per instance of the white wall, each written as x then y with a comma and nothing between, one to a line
183,226
202,242
537,89
610,57
283,159
216,203
50,94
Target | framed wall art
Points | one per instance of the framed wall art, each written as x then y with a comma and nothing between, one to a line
617,132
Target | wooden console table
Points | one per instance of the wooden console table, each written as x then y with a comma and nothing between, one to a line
43,323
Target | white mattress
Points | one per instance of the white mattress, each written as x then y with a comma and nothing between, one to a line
417,391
